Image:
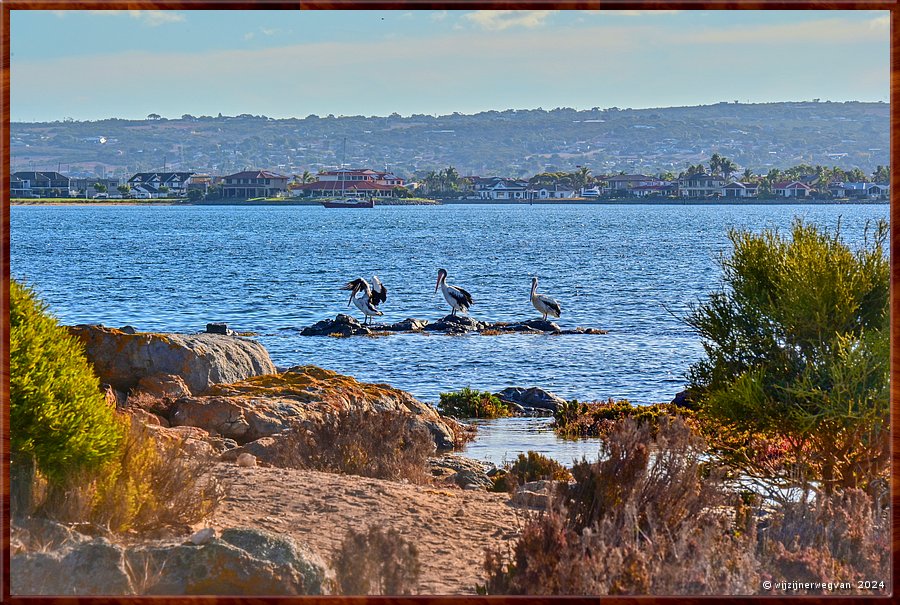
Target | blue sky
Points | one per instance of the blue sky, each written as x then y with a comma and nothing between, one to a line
91,65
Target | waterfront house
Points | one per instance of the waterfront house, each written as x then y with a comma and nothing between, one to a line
739,189
499,188
160,184
40,184
555,192
663,190
791,189
872,191
253,183
701,186
363,182
627,182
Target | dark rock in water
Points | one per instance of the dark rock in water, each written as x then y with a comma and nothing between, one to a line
128,329
217,328
682,400
533,398
341,325
456,324
344,325
407,325
584,331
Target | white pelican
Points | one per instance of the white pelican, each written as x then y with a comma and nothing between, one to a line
456,297
366,300
379,292
543,303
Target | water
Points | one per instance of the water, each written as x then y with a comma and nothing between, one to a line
629,269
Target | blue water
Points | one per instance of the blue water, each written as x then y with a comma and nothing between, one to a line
629,269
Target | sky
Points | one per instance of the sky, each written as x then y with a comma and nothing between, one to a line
89,65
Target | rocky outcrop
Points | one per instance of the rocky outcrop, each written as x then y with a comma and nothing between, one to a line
200,360
467,473
532,401
344,325
264,406
238,562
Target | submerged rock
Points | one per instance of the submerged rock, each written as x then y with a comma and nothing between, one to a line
200,360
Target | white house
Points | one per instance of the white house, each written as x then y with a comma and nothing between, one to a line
738,189
700,186
791,189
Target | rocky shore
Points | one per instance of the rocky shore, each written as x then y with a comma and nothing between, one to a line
345,325
220,396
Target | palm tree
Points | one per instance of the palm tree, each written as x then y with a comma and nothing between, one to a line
307,177
728,167
715,163
581,177
748,174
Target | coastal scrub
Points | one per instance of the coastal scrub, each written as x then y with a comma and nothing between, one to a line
469,403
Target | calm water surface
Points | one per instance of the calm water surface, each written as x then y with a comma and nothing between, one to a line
629,269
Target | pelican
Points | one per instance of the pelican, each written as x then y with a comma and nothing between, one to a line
456,297
366,301
543,303
379,292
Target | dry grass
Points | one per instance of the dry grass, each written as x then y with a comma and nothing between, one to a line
376,562
384,445
653,517
150,485
633,523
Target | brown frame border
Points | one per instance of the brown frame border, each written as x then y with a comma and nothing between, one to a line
8,5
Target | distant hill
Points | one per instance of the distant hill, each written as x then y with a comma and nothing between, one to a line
509,143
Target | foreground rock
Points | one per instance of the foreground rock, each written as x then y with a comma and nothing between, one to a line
345,325
265,406
238,562
123,360
466,473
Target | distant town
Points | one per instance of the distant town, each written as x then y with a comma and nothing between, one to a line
719,179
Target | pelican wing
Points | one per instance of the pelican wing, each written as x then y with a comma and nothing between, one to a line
551,304
379,294
462,298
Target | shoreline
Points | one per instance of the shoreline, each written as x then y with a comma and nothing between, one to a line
445,202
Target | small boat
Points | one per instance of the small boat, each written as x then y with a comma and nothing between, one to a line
350,203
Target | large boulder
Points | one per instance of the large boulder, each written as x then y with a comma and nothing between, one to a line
200,360
95,567
239,562
531,399
264,406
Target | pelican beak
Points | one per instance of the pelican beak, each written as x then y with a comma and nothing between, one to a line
437,284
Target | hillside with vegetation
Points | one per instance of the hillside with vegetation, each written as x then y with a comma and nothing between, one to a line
509,143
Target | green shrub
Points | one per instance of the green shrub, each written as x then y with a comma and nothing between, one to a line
376,562
59,421
575,420
532,466
469,403
794,385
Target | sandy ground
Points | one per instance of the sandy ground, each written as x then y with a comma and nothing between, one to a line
451,527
